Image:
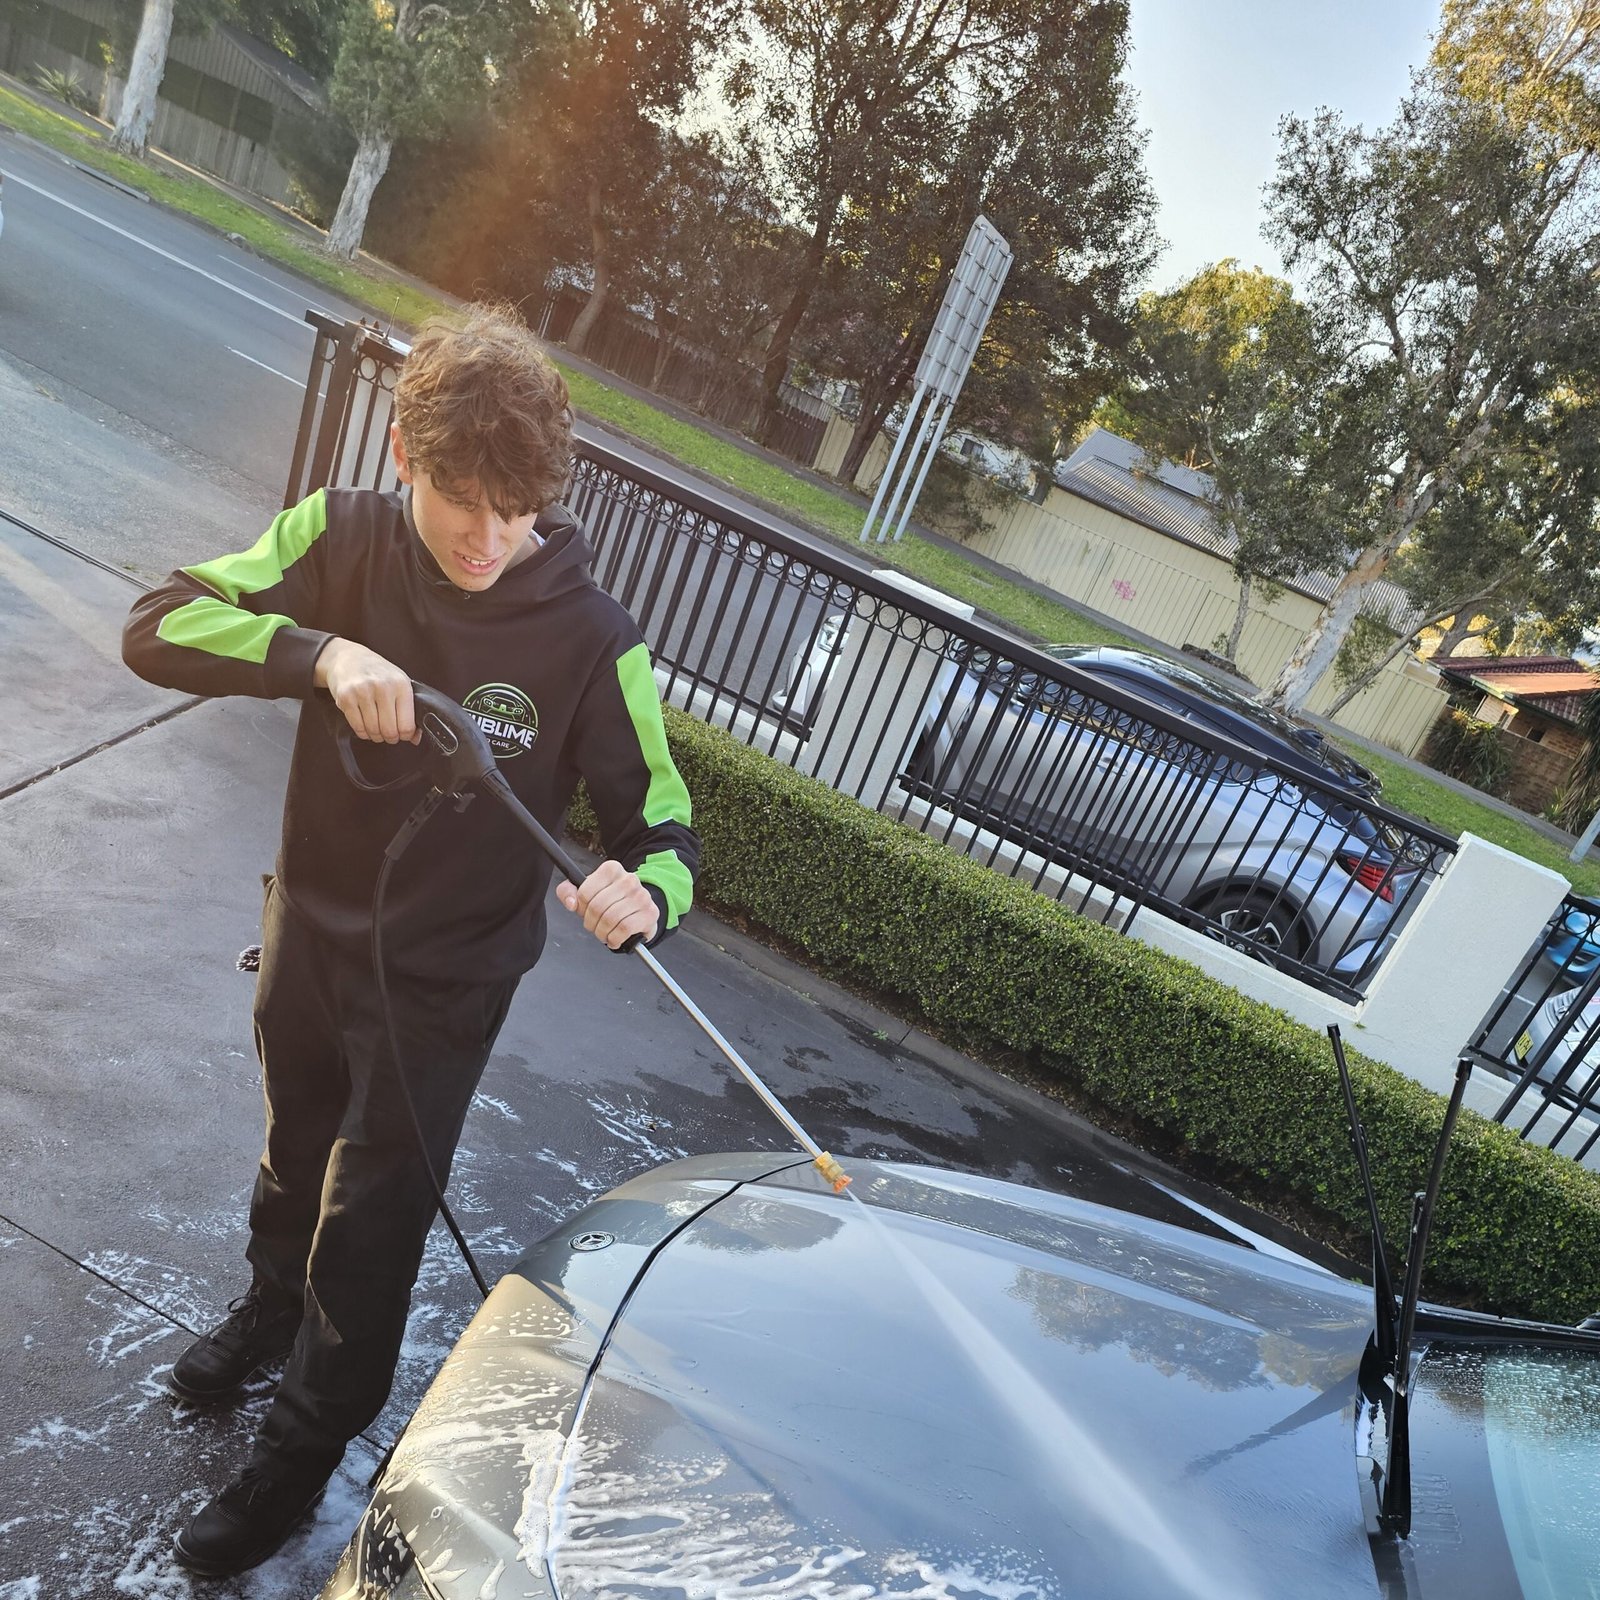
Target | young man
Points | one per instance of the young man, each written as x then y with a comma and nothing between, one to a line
475,580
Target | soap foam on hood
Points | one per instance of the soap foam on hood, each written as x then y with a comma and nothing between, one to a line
677,1529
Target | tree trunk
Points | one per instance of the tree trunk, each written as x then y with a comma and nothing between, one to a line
877,401
600,250
664,346
1315,653
1456,635
776,367
1369,675
145,71
1241,613
366,172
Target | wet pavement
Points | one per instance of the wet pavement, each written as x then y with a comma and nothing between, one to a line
134,829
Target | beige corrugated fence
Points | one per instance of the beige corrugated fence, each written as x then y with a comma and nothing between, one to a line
1175,592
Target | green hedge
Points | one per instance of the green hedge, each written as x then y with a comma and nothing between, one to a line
1517,1229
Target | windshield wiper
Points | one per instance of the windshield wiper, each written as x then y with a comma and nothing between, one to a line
1394,1325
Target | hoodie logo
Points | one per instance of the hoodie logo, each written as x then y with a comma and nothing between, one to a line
508,718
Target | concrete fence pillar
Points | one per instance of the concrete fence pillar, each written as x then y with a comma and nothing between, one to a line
858,746
1460,947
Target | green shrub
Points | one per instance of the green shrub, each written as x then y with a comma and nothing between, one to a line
1472,751
66,86
1151,1037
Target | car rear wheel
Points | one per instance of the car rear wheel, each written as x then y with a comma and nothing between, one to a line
1255,921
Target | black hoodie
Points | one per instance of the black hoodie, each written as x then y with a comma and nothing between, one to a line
553,668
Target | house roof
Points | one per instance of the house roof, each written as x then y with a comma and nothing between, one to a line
1115,473
289,74
1508,666
1554,686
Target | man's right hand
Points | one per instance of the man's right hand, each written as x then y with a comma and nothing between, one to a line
374,694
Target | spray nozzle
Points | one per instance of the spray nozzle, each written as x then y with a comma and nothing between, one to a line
832,1171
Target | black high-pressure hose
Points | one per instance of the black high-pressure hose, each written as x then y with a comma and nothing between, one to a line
397,846
459,762
458,757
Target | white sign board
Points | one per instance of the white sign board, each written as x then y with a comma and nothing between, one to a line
974,288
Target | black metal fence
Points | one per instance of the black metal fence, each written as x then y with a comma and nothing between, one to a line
1543,1034
1092,792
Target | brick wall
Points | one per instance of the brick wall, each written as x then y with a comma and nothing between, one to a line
1537,771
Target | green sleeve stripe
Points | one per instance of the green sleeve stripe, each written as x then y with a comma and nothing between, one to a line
666,800
220,629
667,873
263,565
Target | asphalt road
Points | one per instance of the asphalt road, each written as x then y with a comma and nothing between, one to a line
150,323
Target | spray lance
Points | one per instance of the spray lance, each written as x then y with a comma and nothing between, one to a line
458,765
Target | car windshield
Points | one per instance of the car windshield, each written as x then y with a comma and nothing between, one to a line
1514,1430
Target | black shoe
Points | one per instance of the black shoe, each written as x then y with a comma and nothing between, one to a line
217,1363
247,1522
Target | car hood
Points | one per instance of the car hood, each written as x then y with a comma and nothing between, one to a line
957,1388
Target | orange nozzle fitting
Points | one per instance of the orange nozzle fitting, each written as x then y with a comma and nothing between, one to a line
832,1171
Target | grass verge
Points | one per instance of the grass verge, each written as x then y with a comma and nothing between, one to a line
838,518
1454,813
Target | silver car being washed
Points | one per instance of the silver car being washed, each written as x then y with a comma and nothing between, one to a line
725,1380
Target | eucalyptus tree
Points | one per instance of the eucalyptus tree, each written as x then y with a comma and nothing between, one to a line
1449,264
303,29
585,105
1513,559
1041,141
705,250
402,66
146,68
856,106
1213,382
1536,61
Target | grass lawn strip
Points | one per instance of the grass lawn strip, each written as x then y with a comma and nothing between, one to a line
1455,814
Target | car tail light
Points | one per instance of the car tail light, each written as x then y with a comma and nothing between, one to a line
1378,876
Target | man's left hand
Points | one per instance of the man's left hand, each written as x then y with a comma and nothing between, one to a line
613,903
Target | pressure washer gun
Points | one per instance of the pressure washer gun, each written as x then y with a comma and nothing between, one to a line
460,763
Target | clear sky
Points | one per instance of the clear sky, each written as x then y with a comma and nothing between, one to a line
1214,76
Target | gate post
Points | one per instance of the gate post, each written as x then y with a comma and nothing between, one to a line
1459,948
858,747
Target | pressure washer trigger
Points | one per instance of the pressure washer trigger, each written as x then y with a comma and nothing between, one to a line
832,1171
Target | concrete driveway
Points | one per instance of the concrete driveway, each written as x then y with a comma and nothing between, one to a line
134,826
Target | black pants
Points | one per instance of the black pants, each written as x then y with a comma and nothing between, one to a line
342,1203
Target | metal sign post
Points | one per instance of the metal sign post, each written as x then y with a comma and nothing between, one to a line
946,359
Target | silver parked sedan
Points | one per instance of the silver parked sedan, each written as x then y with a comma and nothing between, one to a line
725,1380
1274,852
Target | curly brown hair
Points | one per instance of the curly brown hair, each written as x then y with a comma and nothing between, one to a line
479,402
